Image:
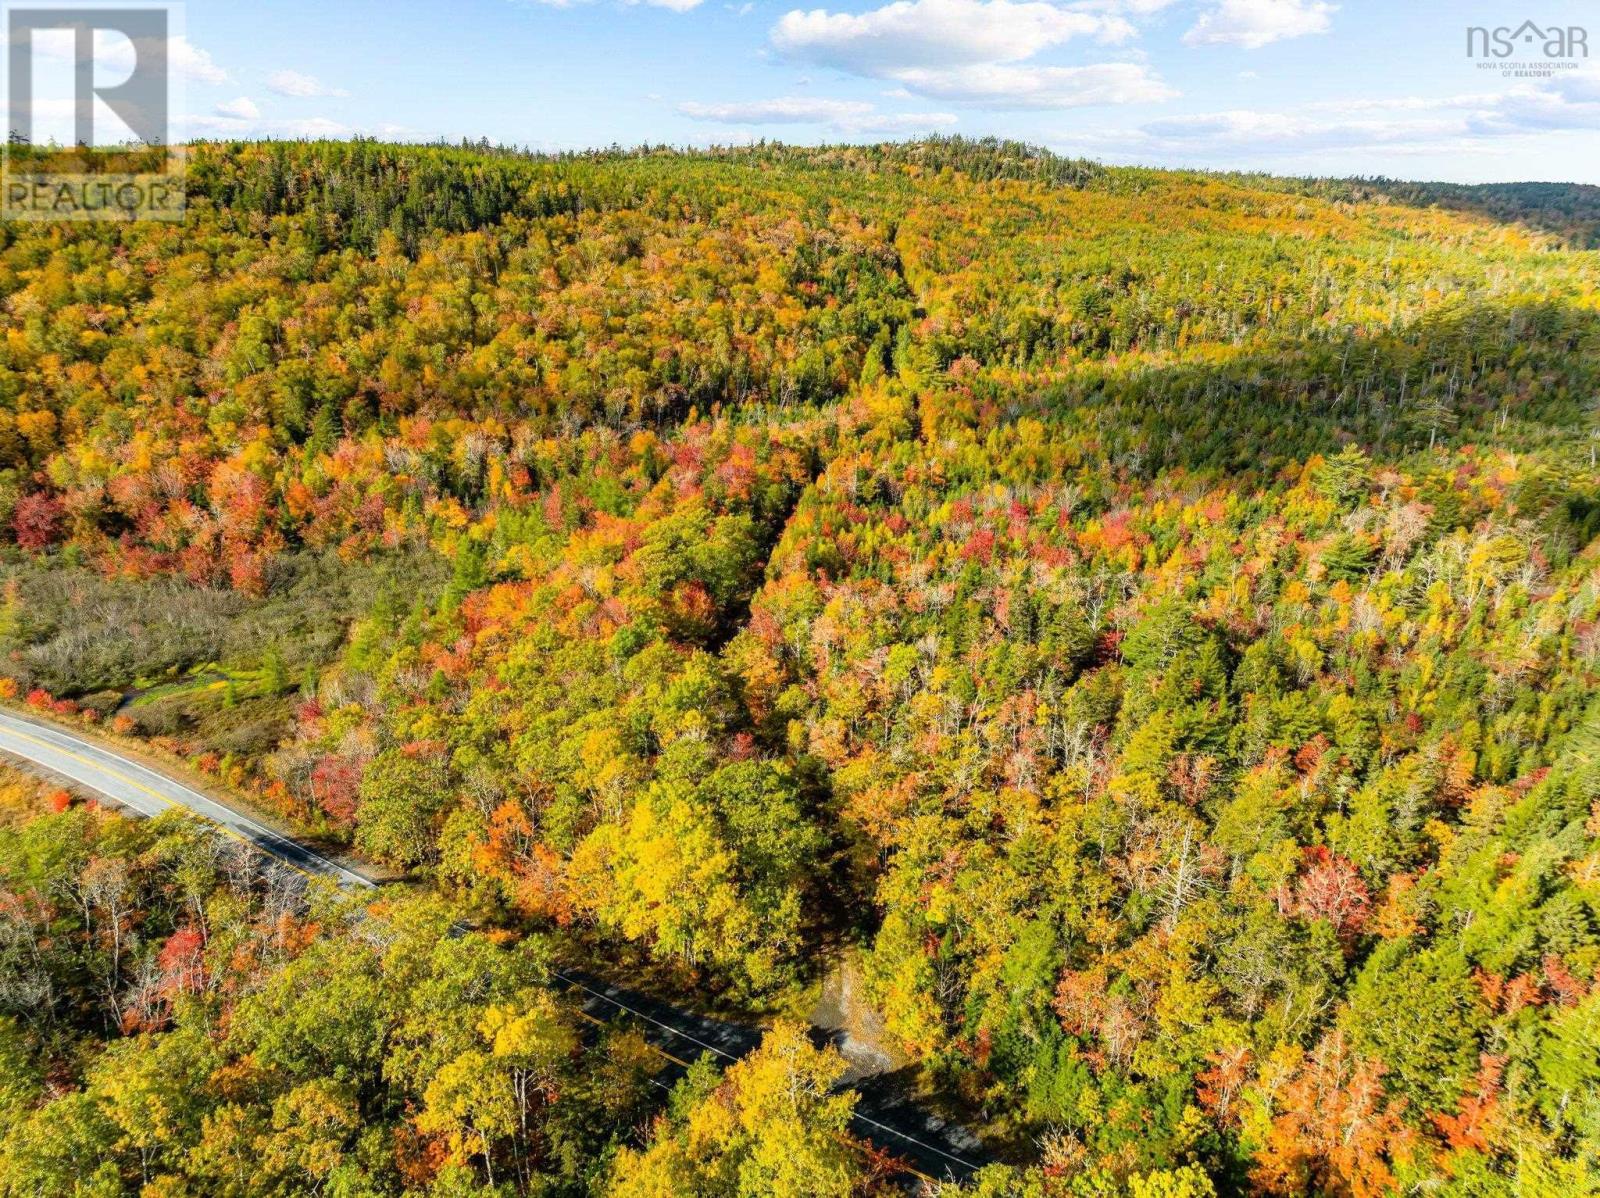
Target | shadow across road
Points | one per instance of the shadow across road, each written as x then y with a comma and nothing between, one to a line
886,1116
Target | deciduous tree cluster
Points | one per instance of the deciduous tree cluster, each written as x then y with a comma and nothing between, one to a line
1153,617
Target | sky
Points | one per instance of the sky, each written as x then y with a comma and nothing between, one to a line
1359,87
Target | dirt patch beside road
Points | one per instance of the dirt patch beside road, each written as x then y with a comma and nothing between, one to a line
853,1025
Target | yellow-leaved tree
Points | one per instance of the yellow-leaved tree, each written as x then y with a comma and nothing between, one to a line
772,1127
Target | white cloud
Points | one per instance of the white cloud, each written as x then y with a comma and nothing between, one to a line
975,51
784,110
843,116
115,52
936,33
299,85
890,124
1409,124
1570,101
1137,8
673,5
781,111
223,125
1256,23
1247,129
192,62
243,108
1124,8
1000,85
315,126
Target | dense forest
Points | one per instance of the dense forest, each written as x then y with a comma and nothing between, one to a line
1145,625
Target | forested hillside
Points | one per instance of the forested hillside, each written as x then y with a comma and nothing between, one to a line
1147,622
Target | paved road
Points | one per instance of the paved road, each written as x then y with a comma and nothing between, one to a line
131,784
933,1147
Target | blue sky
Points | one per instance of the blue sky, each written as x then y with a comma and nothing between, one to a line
1290,86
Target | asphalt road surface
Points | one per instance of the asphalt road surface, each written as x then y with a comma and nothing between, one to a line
934,1148
130,784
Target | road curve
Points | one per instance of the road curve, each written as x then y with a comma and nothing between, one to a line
126,782
935,1149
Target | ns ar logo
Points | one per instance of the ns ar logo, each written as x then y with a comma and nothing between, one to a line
1552,41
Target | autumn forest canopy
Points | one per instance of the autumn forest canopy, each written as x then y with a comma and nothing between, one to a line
1142,627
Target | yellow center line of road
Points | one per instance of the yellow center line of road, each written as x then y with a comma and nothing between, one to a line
659,1051
606,998
113,772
